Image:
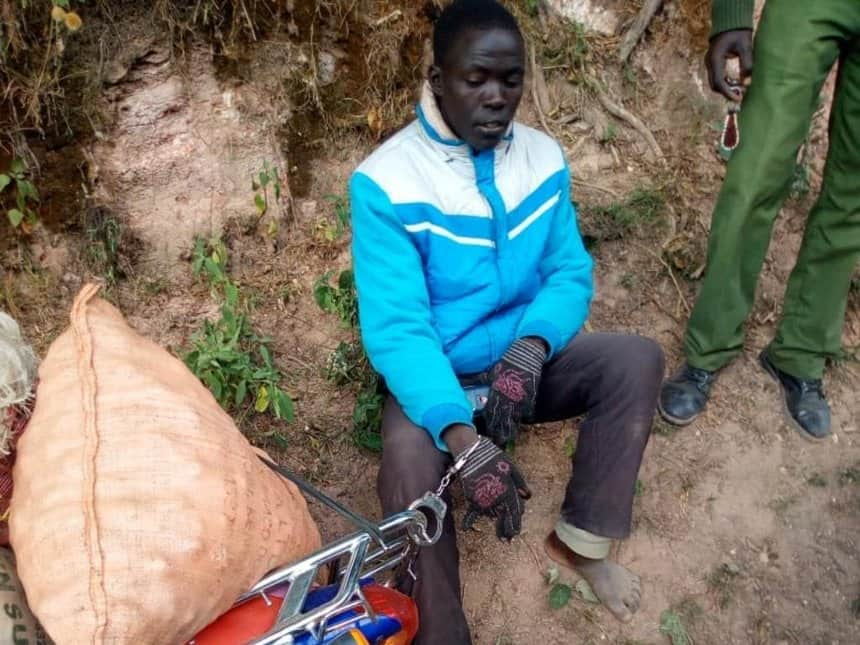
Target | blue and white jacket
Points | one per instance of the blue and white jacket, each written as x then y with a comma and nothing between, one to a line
458,254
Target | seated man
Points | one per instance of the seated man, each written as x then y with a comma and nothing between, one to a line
470,268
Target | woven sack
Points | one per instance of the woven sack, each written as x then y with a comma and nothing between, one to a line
139,512
17,624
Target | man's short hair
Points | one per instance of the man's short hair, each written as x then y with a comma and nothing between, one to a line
461,15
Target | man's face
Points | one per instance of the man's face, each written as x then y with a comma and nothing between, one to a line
479,84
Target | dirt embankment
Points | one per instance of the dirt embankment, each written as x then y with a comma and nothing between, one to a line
742,530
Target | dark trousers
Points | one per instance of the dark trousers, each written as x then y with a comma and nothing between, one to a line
614,380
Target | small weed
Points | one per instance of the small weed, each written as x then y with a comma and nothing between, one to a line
267,177
850,475
148,288
567,49
570,446
332,232
284,293
227,355
817,480
721,582
631,77
367,419
675,621
672,625
155,286
628,281
609,134
15,179
639,489
559,595
664,428
104,237
800,178
641,207
348,363
800,185
340,299
210,260
855,608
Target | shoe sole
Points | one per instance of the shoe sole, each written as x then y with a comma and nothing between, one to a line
675,421
785,411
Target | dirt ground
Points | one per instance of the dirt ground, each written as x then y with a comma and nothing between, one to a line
743,529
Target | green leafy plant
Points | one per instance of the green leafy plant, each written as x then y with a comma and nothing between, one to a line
267,178
850,475
210,259
338,299
104,234
559,595
721,582
332,232
233,361
567,49
673,626
26,195
569,446
367,419
642,206
609,134
348,364
800,184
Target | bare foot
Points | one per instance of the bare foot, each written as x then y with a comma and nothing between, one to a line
617,588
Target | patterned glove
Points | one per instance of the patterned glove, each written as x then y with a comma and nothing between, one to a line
513,387
493,486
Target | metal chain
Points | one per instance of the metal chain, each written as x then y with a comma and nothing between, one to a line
456,467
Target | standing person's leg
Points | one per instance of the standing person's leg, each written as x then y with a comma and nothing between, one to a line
412,465
614,380
814,309
794,48
792,56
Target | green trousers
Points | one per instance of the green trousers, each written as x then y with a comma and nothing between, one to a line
796,45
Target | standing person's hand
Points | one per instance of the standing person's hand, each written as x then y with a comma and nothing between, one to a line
729,44
514,382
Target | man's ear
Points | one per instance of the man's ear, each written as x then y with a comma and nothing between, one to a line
435,78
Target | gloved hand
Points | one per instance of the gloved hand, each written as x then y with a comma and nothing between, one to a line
493,486
514,384
737,42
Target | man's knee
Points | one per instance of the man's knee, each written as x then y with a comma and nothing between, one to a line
639,363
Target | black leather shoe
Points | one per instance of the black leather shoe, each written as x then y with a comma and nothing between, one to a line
684,395
803,401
